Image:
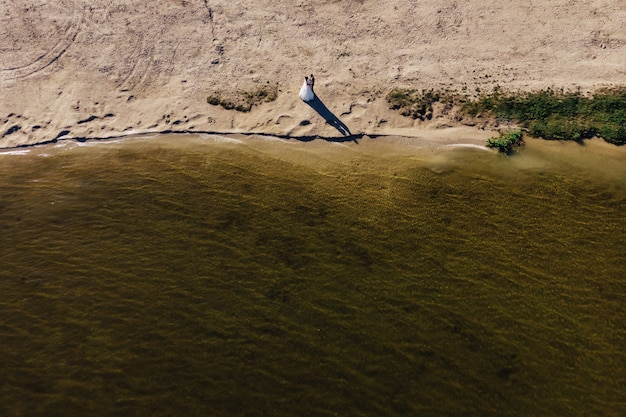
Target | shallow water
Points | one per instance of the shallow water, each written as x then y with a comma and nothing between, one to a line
211,275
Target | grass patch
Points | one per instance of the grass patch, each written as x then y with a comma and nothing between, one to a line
547,114
558,115
507,141
243,101
415,103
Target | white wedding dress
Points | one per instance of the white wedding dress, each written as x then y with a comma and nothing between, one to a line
306,92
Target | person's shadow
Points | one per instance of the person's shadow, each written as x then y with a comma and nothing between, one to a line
317,105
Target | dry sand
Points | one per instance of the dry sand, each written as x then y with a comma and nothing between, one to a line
99,68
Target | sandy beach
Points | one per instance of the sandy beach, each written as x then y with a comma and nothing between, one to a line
72,68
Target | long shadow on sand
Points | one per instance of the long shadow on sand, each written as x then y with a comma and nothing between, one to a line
319,106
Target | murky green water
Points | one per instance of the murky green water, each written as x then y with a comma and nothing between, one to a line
226,277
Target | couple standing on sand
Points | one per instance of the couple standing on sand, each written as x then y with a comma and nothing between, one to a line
306,92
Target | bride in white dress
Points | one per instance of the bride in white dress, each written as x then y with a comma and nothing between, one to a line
306,92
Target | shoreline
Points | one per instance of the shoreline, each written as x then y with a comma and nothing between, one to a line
427,135
439,118
594,156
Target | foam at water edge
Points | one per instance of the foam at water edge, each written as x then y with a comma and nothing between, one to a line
16,152
468,145
220,139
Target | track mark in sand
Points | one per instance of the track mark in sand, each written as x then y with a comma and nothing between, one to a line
138,66
50,31
209,16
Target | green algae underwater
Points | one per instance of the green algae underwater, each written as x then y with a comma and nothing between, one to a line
244,276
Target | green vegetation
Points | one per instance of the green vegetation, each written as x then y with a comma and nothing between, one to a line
559,115
506,142
243,101
417,104
547,114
